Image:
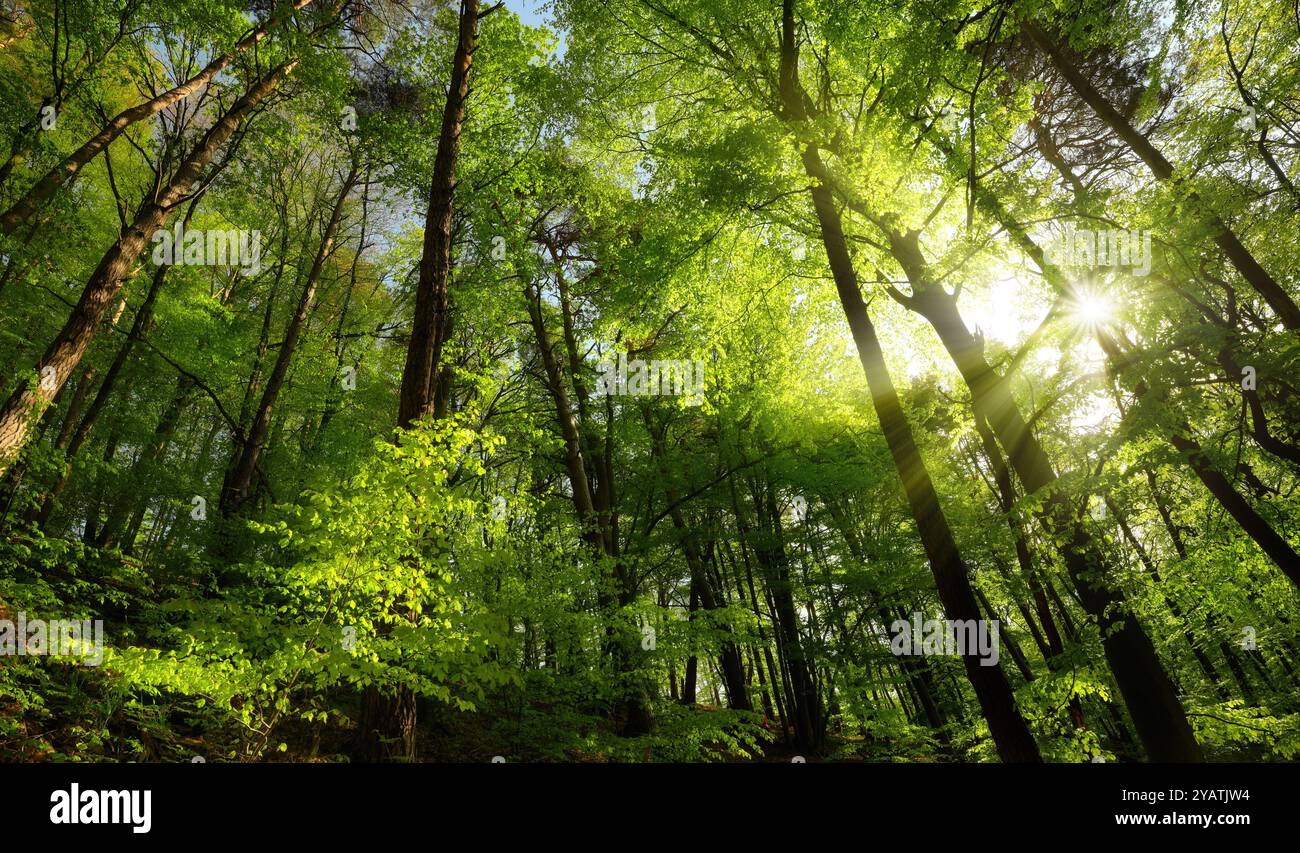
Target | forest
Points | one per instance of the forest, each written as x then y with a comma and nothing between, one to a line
649,381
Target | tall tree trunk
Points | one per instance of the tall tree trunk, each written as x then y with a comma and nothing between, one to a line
252,388
428,328
1220,487
333,401
1176,539
1151,696
1005,636
692,662
1006,491
1202,660
617,590
915,669
766,540
140,327
126,517
729,659
1009,730
771,681
66,350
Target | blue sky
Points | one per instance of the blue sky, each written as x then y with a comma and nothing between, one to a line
530,11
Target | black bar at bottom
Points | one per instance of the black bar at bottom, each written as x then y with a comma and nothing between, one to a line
231,802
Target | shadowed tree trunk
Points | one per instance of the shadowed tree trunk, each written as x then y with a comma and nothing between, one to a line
768,543
140,327
239,483
729,660
429,326
127,515
1009,730
617,590
1008,727
1150,695
387,723
692,662
1219,486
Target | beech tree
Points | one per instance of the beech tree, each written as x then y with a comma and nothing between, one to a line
651,380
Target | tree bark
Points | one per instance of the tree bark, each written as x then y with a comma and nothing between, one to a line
139,328
1009,730
729,658
632,711
1151,696
1220,488
429,325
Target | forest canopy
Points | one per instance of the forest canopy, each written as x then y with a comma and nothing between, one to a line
649,380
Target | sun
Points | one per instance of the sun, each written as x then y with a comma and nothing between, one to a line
1091,308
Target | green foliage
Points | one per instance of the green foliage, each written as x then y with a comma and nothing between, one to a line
551,573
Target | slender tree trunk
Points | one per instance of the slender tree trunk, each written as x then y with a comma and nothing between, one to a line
253,387
730,662
1005,636
72,416
916,670
1151,696
239,484
1009,729
692,662
633,710
801,700
1202,660
92,514
127,516
1220,488
772,681
1050,643
1176,539
139,329
332,399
